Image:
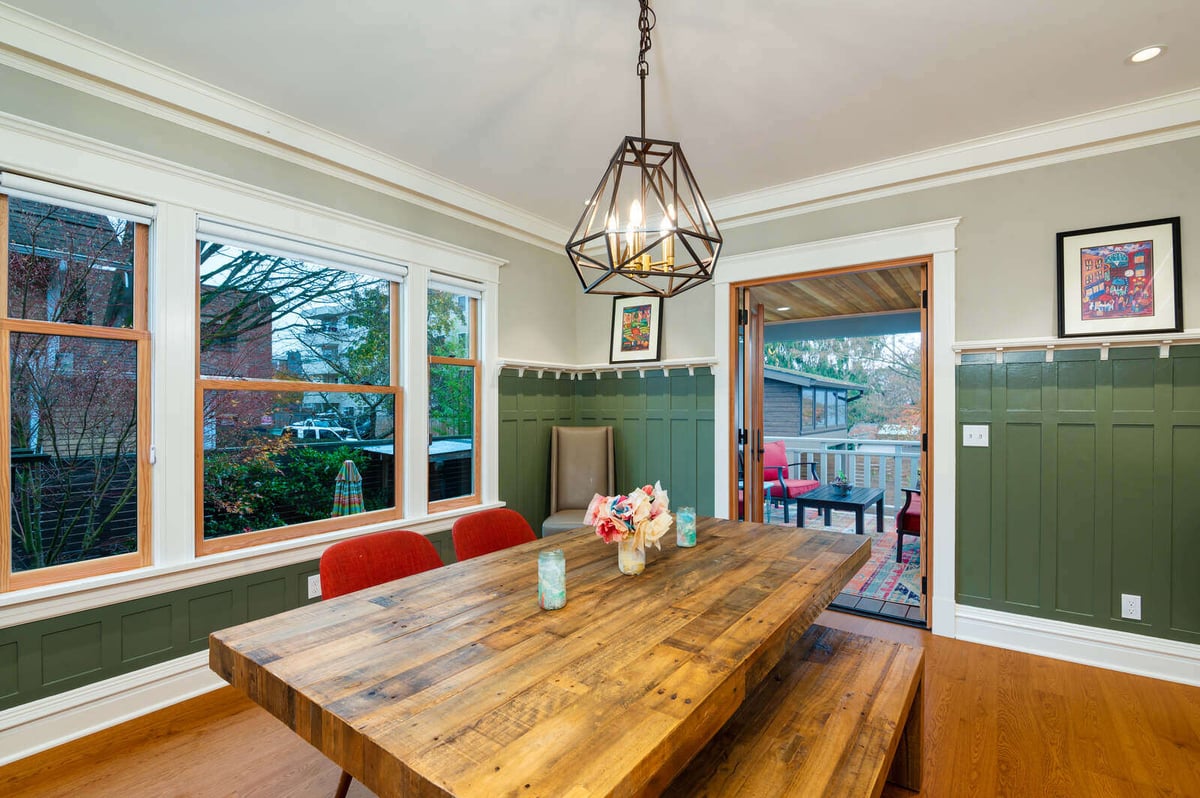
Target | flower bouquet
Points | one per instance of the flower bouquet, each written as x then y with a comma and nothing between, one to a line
633,522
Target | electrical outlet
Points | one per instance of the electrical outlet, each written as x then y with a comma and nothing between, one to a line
314,586
1131,607
975,435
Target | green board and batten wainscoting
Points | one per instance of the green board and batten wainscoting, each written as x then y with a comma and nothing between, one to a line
662,430
52,656
1090,487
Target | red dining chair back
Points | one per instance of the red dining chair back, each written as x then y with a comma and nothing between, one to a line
489,530
371,560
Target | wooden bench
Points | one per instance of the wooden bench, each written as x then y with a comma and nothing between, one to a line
839,715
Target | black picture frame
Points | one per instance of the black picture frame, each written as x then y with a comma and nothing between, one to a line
636,334
1121,279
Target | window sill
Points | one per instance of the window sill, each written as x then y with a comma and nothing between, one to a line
35,604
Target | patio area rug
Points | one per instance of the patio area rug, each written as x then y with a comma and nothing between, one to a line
885,579
882,577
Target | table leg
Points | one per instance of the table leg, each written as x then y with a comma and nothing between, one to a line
799,513
879,516
858,520
828,515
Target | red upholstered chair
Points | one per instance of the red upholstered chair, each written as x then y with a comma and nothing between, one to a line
908,519
775,474
370,560
489,530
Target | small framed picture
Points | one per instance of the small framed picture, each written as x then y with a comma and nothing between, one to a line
636,329
1120,280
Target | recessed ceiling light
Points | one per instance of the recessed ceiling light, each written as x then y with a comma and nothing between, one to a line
1147,53
782,309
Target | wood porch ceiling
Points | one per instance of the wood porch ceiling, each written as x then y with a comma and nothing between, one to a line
847,294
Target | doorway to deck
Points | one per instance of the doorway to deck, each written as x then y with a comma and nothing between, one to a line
830,401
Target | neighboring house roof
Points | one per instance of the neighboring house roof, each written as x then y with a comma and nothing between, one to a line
806,380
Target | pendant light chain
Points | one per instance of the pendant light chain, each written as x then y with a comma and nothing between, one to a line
646,22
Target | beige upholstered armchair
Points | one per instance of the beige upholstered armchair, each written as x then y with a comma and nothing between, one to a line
581,465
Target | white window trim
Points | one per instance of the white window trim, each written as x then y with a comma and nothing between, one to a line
177,196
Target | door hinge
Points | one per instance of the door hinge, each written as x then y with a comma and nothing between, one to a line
924,585
743,317
924,298
924,441
741,437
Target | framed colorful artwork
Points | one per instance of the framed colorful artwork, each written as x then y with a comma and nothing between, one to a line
636,329
1120,280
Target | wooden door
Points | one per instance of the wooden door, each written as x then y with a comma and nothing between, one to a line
749,406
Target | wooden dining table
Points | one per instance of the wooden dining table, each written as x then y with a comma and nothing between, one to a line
454,682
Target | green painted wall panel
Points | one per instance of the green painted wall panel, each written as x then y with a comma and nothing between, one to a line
1077,385
974,387
266,598
1186,383
1133,385
8,670
1022,511
1101,501
1024,385
70,653
1184,613
974,523
146,632
1131,502
46,657
1075,545
207,614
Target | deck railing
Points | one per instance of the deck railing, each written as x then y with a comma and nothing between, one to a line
888,464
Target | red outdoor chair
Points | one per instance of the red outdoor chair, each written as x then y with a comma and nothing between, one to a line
908,519
370,560
489,530
775,474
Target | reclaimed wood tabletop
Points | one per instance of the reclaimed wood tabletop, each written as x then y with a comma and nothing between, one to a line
453,682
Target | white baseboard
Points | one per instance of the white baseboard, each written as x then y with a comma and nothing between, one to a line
48,722
1103,648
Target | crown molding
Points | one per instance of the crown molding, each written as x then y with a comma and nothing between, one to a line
1141,124
47,50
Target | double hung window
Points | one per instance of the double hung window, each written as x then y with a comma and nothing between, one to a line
298,397
74,392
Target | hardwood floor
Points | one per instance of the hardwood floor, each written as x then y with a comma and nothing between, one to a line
997,723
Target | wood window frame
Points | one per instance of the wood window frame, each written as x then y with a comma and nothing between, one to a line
139,334
475,363
260,537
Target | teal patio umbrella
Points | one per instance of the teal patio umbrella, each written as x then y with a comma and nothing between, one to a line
347,490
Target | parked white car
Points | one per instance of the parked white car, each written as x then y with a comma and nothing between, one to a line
318,430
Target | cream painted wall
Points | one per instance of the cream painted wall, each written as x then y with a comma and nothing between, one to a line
1006,258
537,287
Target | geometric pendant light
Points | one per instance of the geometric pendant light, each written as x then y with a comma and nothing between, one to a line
646,231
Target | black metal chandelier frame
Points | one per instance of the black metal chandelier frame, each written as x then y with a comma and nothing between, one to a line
687,243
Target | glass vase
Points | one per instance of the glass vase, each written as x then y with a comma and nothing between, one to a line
631,557
552,580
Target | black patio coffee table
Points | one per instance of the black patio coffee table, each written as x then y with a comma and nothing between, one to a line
828,497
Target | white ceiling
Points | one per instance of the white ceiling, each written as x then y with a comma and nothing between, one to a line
526,101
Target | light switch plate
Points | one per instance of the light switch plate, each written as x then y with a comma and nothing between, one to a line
975,434
314,586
